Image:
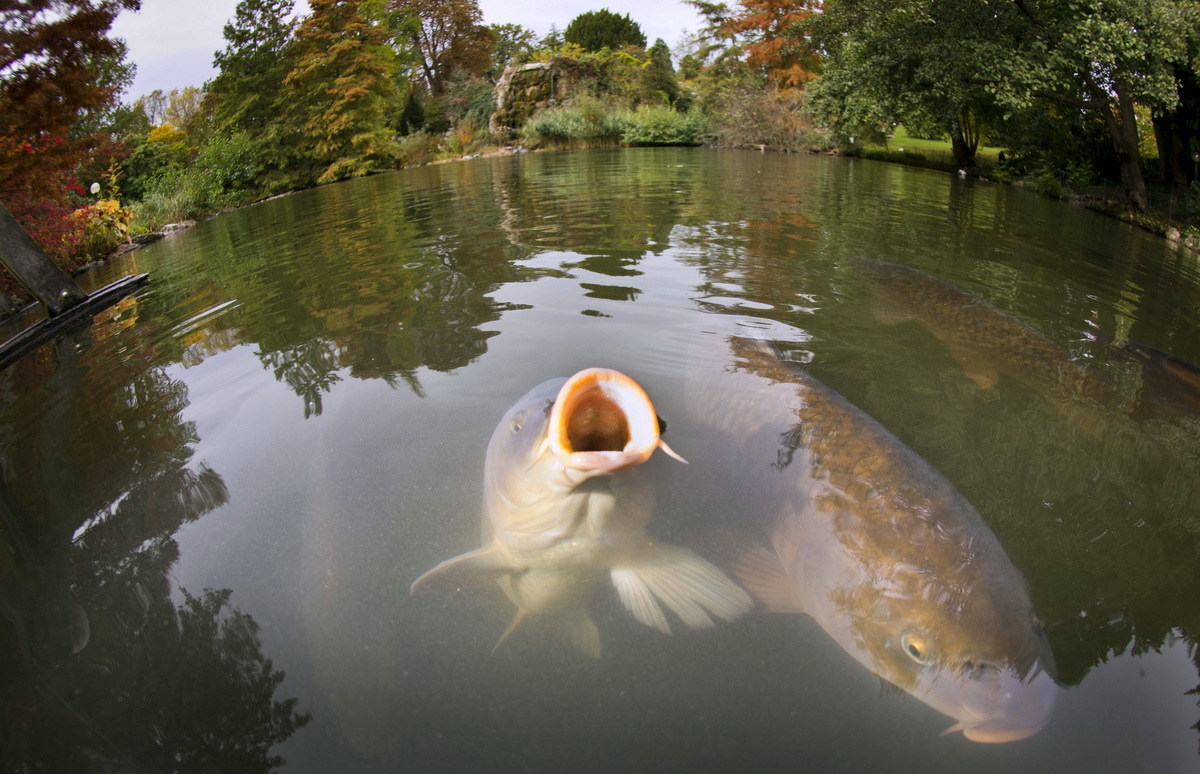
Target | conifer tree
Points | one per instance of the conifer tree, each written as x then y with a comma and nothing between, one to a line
252,66
596,30
335,99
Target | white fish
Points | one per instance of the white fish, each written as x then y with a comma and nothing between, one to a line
565,505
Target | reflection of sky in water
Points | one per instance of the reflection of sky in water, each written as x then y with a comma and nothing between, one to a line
329,518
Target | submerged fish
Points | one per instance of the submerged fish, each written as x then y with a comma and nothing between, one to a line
566,506
863,535
985,341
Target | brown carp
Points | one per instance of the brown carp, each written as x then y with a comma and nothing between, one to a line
985,341
862,534
566,506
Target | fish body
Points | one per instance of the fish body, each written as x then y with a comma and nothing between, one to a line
566,506
862,534
985,341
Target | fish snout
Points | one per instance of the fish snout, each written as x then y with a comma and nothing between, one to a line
1003,706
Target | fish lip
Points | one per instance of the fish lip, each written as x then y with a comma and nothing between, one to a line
997,735
1025,715
619,393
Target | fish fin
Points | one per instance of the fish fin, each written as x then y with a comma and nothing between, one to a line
464,571
976,367
760,571
638,599
512,627
690,586
582,633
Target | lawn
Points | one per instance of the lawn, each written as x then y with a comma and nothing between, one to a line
935,150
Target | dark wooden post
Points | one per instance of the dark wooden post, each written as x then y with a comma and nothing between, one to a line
34,269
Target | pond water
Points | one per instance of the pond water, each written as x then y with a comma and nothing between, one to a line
216,498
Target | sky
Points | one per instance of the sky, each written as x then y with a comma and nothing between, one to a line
172,41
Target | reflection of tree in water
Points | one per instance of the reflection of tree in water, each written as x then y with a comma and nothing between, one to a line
101,671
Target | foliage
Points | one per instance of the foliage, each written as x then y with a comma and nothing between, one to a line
253,65
222,175
48,221
446,35
514,46
53,57
586,120
598,30
748,113
659,75
662,125
775,39
969,59
106,225
335,97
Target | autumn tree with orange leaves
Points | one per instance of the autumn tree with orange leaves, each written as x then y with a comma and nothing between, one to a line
775,39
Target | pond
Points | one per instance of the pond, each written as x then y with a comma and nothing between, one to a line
216,498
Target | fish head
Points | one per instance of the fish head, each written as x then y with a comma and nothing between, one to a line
557,438
977,655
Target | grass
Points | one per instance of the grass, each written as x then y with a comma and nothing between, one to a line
938,152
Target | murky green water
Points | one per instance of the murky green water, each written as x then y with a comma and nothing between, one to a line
215,499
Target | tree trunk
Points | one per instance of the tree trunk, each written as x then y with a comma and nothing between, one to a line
964,139
1172,151
1122,130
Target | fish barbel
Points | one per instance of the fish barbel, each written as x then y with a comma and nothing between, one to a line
565,505
862,534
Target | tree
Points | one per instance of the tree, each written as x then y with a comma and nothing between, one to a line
447,34
252,66
52,57
597,30
513,44
659,75
777,40
1105,57
335,99
869,82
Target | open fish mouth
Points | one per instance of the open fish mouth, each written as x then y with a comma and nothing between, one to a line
602,421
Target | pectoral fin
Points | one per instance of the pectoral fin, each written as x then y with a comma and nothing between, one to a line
464,571
760,571
976,367
688,585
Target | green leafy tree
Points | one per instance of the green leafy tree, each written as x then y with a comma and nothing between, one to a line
514,44
868,82
253,65
597,30
336,98
446,35
1106,58
659,75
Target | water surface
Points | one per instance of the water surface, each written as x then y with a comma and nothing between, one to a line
214,500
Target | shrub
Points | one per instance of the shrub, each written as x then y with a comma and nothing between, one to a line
106,225
223,174
585,121
661,125
754,114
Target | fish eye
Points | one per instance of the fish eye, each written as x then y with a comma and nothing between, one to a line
1039,625
915,647
517,423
